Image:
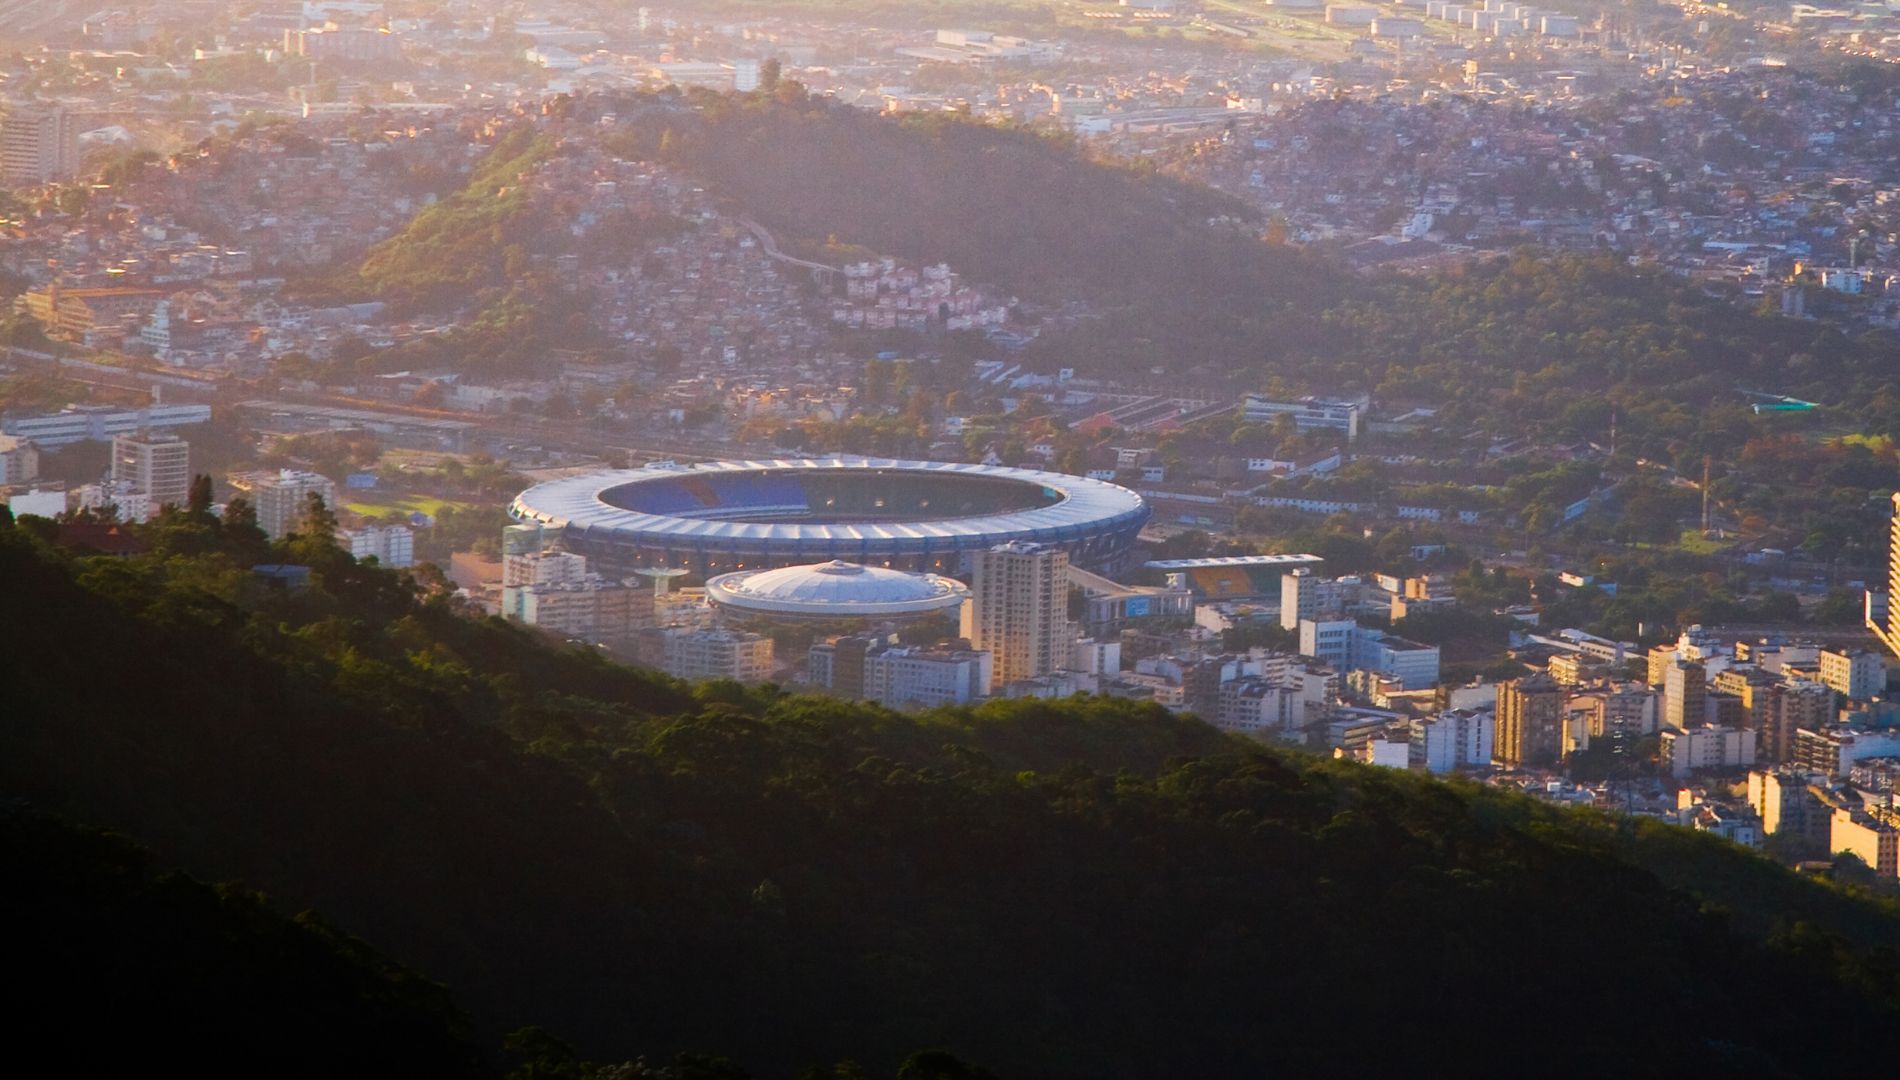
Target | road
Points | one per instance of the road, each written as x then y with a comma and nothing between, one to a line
769,245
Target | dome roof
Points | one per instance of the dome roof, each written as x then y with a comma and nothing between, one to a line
836,589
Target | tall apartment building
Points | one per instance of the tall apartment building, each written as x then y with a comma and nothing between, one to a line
1889,628
350,44
1685,695
1452,739
38,144
392,546
280,498
1019,609
1252,705
126,502
1706,746
1872,835
1348,646
685,653
542,568
1624,709
1785,803
19,460
1530,722
592,609
1795,705
159,465
1299,598
1854,673
1755,689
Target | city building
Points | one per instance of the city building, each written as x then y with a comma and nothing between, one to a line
390,545
1530,722
1785,802
687,653
1348,646
541,567
38,144
870,667
1796,704
1857,674
99,423
350,44
157,464
1454,739
70,314
1706,746
1253,706
280,499
1872,835
1019,609
1833,750
1685,694
125,502
47,502
591,609
1299,597
19,460
1307,414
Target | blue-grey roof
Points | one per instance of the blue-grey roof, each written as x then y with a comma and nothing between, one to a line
576,502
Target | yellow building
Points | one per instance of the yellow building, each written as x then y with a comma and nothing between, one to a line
69,314
1873,836
1530,722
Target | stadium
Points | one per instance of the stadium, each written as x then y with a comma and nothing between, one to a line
726,516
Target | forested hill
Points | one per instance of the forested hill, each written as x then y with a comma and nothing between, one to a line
1074,889
118,970
1001,205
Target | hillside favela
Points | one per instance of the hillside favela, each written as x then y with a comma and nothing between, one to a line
951,539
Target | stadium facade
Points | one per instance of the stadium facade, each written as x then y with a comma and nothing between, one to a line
726,516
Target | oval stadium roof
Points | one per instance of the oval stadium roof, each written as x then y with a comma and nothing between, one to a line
577,502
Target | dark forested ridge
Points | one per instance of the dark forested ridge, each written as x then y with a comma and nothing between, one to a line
1074,889
123,969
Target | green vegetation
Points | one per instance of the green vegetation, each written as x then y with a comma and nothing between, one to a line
127,967
383,505
1002,205
1057,889
476,238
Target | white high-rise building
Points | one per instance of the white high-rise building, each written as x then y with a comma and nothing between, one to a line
592,609
390,545
1457,737
1019,609
1299,598
158,465
127,503
280,497
926,677
542,568
1855,673
715,654
38,144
